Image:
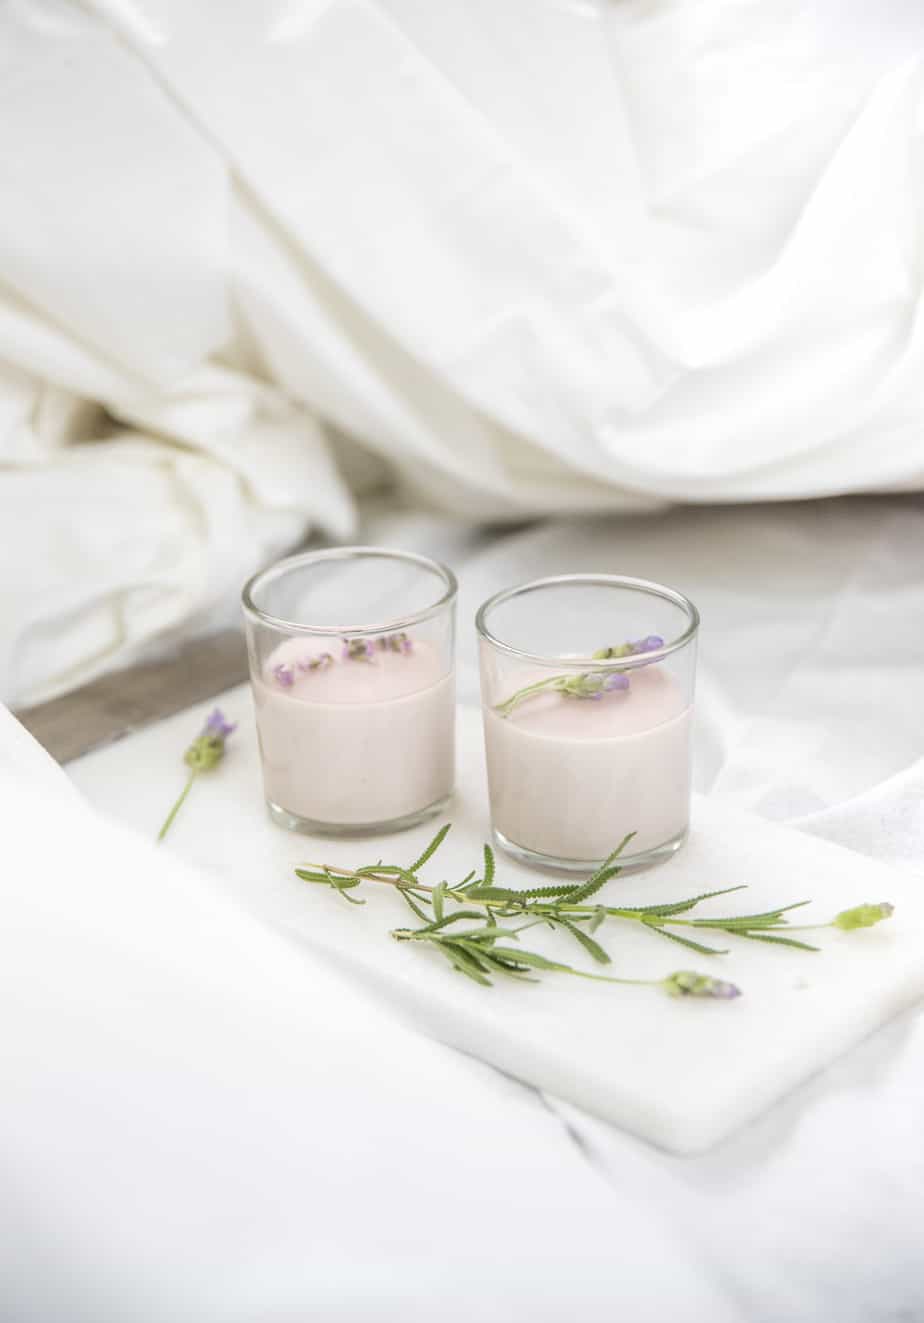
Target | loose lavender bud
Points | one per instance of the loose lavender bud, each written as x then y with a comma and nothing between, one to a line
319,663
284,675
687,983
862,916
649,644
396,643
357,650
208,748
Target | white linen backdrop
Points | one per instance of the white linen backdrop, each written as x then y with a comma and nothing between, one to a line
536,255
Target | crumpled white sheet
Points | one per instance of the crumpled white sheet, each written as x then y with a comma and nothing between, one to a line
539,255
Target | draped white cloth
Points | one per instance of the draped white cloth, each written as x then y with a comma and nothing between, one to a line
201,1123
536,255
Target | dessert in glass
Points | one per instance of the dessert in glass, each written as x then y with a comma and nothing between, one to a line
587,698
352,666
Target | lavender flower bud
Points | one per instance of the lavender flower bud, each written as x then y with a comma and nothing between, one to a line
649,644
615,680
284,675
687,983
357,650
396,643
218,726
862,916
319,663
593,684
604,654
208,749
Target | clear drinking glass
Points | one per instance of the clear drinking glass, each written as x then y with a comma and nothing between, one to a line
587,698
352,666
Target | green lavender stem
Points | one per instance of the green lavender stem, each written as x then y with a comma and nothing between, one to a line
504,709
204,754
475,951
655,919
168,821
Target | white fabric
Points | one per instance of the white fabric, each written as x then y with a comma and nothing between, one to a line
810,1213
201,1121
539,255
798,1012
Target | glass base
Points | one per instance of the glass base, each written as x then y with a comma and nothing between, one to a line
307,827
628,863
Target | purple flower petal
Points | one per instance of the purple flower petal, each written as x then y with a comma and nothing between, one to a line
616,680
284,675
649,644
218,727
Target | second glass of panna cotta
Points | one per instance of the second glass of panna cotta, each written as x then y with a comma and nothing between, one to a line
587,697
352,666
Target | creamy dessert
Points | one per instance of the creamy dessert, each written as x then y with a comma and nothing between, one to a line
357,738
573,768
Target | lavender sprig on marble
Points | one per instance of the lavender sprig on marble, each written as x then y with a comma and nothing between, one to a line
588,684
205,753
491,948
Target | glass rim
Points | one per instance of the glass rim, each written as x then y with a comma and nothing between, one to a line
647,586
303,558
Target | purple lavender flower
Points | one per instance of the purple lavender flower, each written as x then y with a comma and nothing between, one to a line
209,747
205,752
217,727
687,983
284,675
649,644
357,650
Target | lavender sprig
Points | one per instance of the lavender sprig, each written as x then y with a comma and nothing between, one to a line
570,908
587,684
205,753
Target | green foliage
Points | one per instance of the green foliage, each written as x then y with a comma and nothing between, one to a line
478,952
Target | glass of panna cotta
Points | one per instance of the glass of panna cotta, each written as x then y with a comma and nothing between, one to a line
352,666
587,696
